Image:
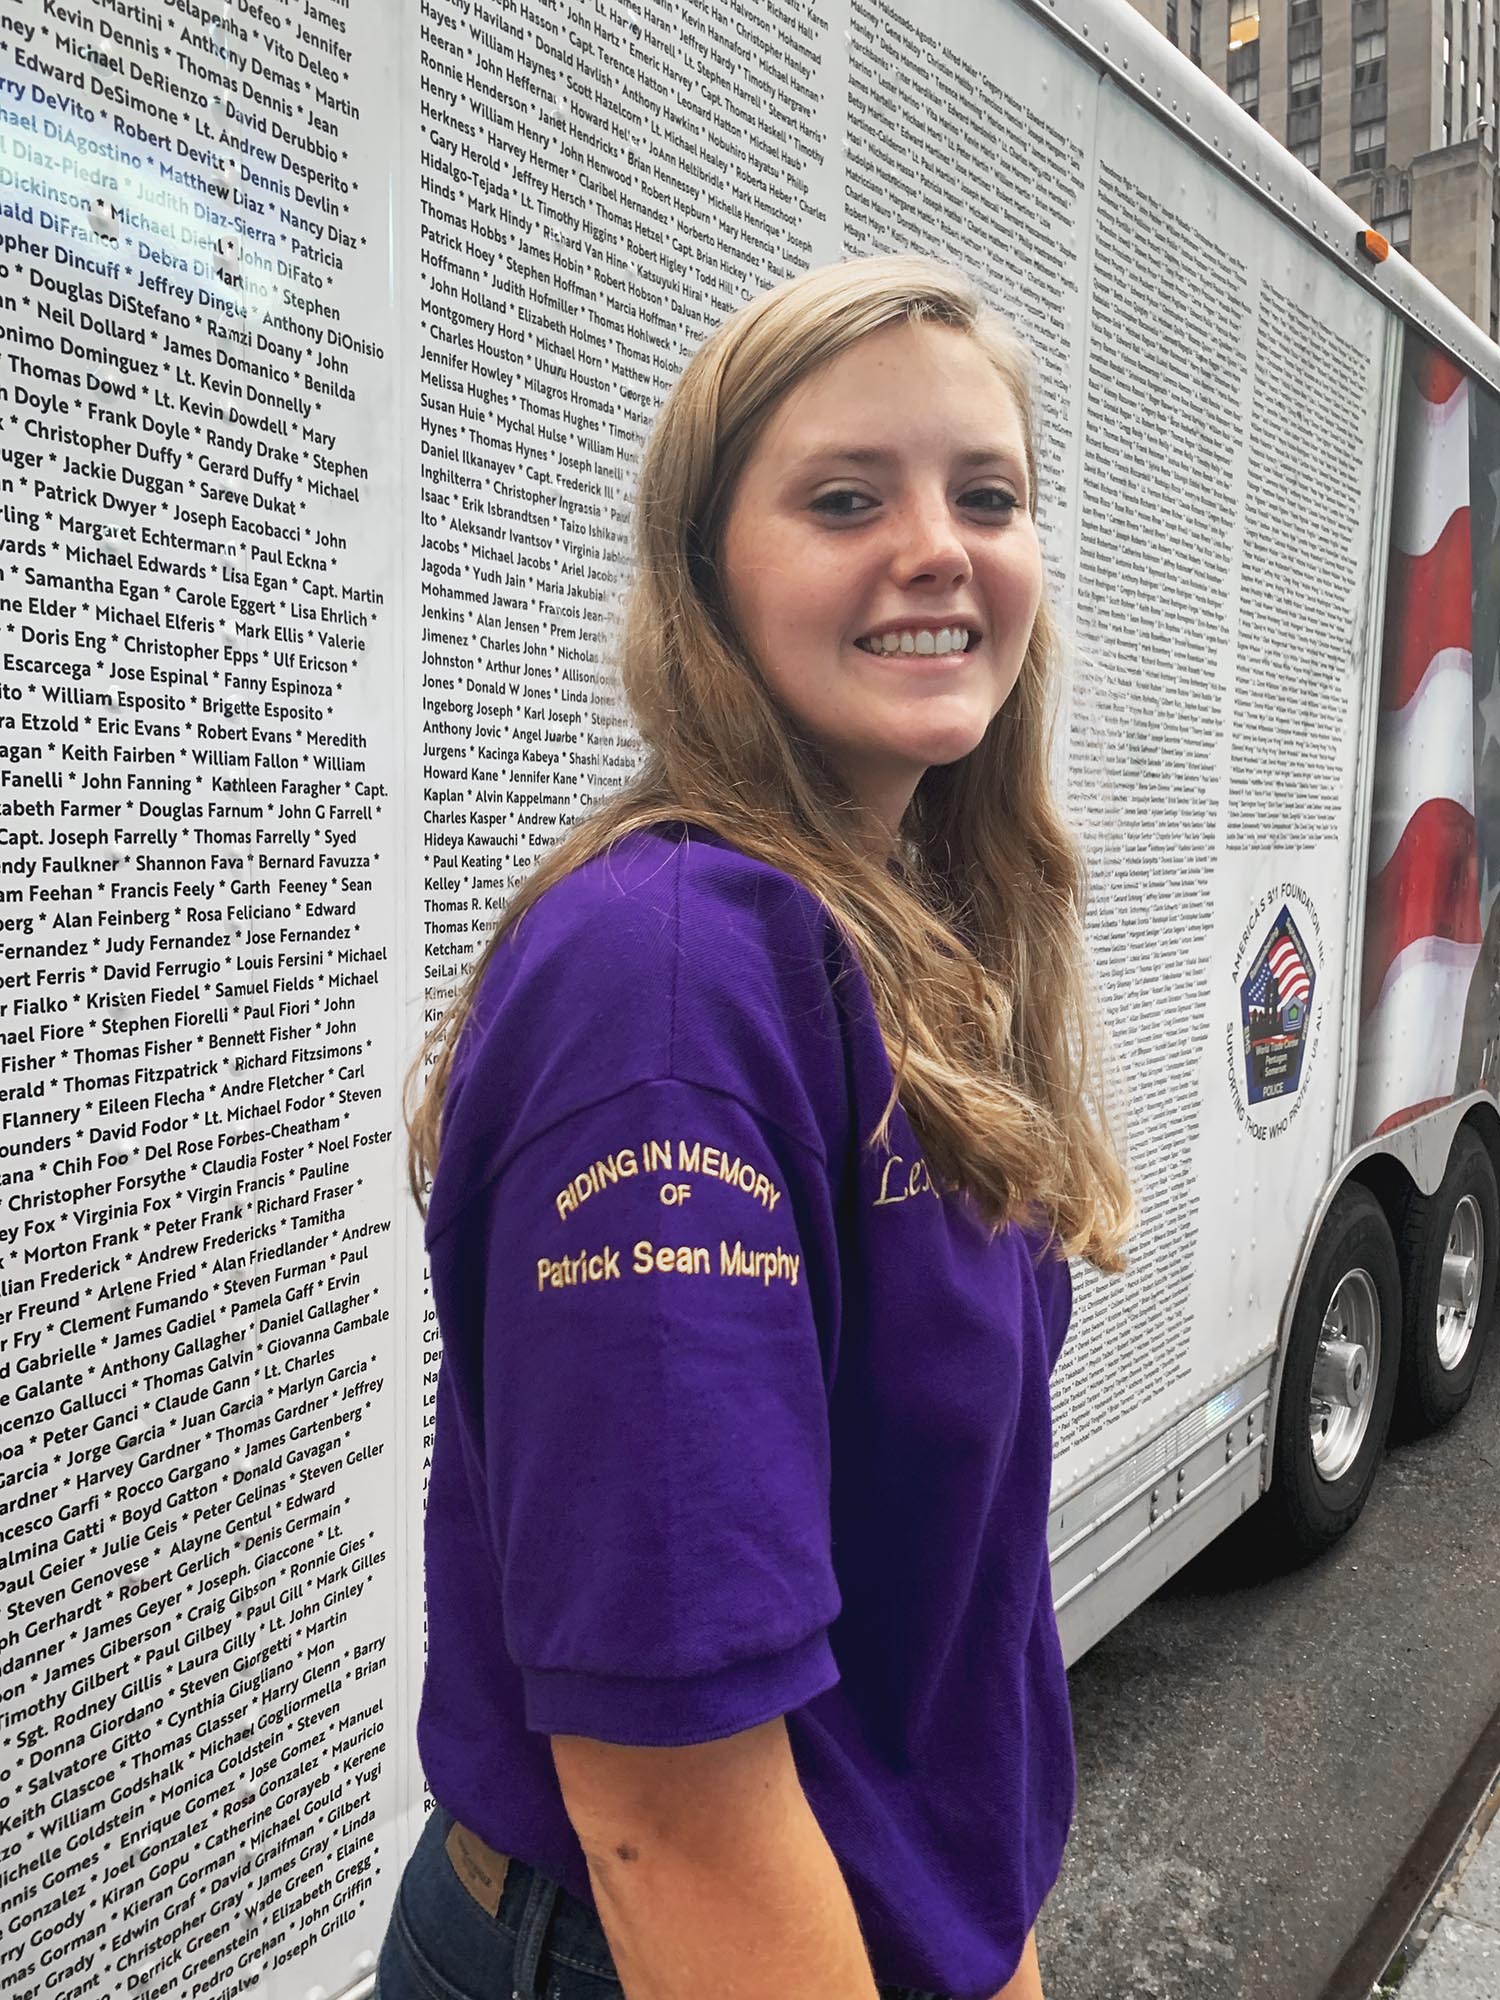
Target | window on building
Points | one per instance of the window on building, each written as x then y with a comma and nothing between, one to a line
1310,154
1305,82
1368,47
1245,91
1396,229
1195,33
1367,146
1172,22
1244,22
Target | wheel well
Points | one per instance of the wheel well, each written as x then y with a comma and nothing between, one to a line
1390,1183
1484,1120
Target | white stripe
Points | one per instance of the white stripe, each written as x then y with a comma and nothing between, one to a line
1432,475
1424,751
1408,1049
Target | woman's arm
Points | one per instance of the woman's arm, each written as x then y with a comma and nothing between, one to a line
1025,1983
710,1872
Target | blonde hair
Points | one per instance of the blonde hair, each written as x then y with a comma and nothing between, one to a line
973,945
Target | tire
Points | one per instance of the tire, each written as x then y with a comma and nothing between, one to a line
1318,1491
1449,1248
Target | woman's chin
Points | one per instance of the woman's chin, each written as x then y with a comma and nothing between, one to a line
947,746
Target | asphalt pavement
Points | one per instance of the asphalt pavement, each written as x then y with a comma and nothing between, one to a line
1256,1757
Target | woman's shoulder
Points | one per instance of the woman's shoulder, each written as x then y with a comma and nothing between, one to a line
672,956
670,872
663,909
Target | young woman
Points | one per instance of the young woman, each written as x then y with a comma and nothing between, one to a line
768,1122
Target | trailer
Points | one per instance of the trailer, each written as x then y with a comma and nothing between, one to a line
330,340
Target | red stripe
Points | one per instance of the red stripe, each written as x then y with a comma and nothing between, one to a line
1428,888
1435,374
1427,609
1285,962
1412,1111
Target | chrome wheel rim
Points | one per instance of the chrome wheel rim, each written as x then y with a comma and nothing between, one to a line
1344,1374
1459,1286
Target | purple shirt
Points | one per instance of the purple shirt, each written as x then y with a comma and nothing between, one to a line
736,1418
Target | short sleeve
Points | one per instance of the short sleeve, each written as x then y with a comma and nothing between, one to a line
656,1435
1054,1288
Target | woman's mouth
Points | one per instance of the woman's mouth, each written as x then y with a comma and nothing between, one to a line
942,648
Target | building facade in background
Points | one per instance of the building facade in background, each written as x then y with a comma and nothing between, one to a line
1391,105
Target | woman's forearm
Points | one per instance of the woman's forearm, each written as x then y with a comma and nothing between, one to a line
1025,1983
710,1872
756,1912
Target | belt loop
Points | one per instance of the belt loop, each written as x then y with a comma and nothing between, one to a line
531,1934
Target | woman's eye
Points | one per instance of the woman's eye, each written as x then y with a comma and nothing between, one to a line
824,504
999,501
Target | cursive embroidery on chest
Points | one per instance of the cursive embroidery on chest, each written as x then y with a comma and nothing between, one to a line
900,1180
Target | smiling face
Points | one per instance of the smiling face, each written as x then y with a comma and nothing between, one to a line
889,489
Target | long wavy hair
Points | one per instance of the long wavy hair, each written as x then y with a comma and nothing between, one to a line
972,944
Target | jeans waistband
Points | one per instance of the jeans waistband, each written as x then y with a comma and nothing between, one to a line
519,1895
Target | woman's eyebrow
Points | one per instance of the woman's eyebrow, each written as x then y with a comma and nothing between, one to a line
983,454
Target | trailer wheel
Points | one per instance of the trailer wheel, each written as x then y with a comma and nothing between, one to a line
1338,1384
1449,1245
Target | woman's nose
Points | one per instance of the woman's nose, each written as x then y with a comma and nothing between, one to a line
928,539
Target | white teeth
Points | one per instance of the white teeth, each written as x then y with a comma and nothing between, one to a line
951,639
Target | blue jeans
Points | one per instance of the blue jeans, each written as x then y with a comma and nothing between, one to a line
541,1944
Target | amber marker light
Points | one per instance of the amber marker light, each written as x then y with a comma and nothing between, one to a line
1373,244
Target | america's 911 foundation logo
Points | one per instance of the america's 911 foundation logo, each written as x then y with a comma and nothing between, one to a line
1276,995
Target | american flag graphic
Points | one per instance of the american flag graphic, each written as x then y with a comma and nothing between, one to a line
1423,927
1291,974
